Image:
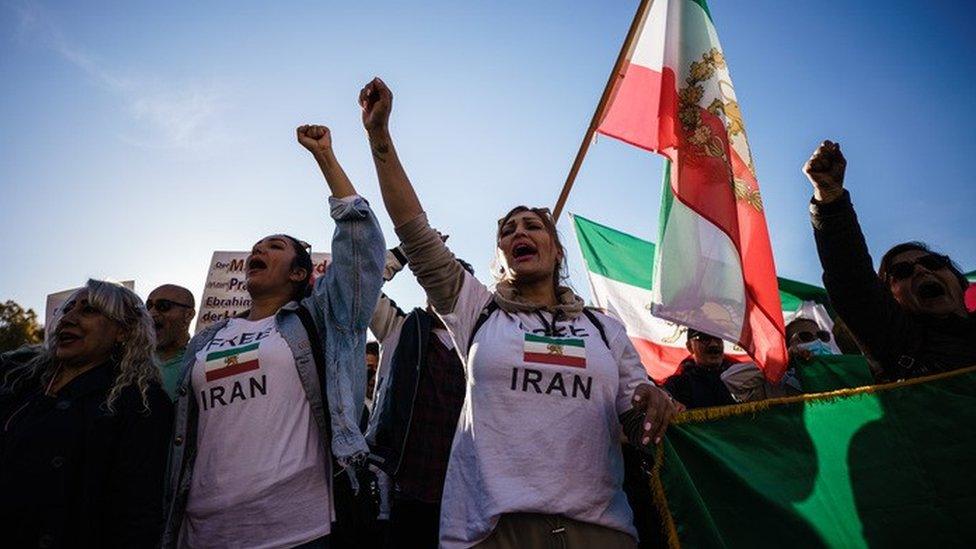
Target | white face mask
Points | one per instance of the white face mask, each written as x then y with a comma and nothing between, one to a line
817,348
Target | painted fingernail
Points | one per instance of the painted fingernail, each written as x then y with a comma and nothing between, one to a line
646,440
657,440
647,426
637,398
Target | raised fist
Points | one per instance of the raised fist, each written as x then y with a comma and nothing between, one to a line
825,170
317,139
377,101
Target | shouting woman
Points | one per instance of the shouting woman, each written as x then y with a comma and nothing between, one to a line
267,399
551,385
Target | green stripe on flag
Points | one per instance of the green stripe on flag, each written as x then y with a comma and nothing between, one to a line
554,340
667,199
793,293
229,352
704,6
615,255
970,276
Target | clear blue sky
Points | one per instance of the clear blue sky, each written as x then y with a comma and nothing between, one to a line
135,140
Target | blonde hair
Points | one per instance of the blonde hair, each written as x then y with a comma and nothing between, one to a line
133,356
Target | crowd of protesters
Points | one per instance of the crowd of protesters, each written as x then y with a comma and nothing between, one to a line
460,426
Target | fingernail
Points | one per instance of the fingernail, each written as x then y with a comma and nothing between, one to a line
657,440
637,398
646,440
647,426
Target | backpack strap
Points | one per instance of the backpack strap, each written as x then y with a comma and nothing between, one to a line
486,312
595,320
318,355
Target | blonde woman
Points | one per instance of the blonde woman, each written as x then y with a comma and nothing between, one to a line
84,428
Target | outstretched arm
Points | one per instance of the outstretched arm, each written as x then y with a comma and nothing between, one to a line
400,200
318,141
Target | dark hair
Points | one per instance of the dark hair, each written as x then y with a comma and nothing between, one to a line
373,348
898,249
795,322
466,266
558,272
302,260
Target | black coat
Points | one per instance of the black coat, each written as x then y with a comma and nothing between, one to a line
699,387
73,474
905,345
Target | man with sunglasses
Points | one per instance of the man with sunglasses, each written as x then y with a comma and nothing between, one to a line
911,316
698,383
171,309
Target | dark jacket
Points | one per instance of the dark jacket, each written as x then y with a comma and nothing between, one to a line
73,474
904,344
390,422
699,387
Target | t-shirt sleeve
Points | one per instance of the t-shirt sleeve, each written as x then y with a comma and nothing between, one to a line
629,366
461,320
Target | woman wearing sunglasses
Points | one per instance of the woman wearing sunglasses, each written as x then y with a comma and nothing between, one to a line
536,458
84,427
268,399
911,316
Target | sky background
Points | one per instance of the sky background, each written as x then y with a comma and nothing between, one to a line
136,140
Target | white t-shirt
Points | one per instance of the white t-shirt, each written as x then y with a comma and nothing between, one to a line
261,475
539,431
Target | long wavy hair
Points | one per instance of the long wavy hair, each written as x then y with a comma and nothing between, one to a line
132,357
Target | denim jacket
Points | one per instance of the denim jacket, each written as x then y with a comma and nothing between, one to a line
341,305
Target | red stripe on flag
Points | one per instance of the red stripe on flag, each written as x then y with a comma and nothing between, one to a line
971,297
562,360
661,361
232,370
638,115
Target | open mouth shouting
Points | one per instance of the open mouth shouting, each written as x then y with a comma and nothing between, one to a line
523,251
929,289
255,265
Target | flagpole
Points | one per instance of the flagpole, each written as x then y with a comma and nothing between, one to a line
615,75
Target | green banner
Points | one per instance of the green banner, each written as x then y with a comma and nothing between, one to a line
879,466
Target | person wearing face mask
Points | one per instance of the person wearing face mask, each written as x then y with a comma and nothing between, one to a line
268,399
550,385
84,427
171,307
805,339
911,315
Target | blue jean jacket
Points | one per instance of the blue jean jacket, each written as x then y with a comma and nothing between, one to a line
341,305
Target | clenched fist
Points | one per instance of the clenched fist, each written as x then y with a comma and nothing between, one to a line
376,99
825,170
317,139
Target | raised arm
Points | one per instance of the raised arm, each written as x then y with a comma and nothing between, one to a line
318,141
431,261
401,201
854,288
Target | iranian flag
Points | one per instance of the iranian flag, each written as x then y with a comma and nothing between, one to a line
714,261
620,270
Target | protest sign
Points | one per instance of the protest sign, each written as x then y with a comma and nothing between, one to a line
225,292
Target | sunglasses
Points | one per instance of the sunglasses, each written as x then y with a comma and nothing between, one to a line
164,305
807,337
905,269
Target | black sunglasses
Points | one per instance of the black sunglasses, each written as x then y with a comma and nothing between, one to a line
905,269
807,337
164,305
